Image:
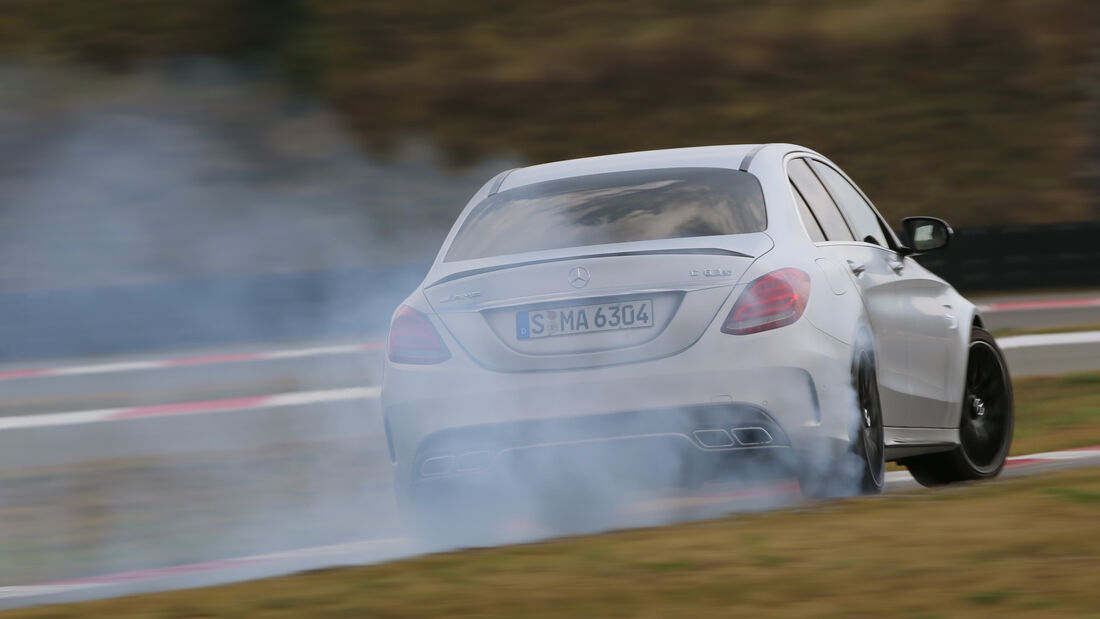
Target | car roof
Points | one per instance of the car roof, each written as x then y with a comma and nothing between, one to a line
727,156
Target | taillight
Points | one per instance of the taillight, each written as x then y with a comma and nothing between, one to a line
413,339
770,301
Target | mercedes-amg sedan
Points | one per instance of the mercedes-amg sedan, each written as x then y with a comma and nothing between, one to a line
677,317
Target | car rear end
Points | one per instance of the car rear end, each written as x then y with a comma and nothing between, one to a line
617,330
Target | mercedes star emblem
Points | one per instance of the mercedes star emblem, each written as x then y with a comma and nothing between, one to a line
578,277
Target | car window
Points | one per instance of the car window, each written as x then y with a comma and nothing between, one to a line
808,219
860,214
819,201
618,207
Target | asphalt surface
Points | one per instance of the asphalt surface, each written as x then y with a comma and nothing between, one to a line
350,424
1055,353
676,508
354,420
1051,310
191,382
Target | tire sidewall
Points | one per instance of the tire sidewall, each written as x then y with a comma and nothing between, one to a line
977,334
872,477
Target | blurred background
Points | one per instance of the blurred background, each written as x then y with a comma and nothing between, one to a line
277,157
184,181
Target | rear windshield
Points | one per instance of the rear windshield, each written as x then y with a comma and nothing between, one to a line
620,207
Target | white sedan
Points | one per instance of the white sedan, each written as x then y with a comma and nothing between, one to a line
678,317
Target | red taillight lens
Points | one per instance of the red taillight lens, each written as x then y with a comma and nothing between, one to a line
413,339
770,301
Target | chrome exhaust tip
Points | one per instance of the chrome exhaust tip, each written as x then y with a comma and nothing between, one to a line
713,439
752,436
474,461
440,465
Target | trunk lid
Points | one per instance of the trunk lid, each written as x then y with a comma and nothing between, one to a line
494,307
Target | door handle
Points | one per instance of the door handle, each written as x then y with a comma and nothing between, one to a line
857,267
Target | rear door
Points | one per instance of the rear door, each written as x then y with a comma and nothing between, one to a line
928,318
925,315
869,266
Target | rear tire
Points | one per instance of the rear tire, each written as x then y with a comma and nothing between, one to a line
871,436
985,425
862,468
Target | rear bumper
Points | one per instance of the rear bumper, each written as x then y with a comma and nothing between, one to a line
574,468
674,447
462,421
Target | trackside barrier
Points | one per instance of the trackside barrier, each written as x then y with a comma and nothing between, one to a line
1020,257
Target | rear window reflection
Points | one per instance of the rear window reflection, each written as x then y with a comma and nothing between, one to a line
620,207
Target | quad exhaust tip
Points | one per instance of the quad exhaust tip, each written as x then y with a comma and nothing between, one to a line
752,436
465,463
440,465
717,438
713,439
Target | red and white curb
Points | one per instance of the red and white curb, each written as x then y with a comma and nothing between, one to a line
294,398
343,554
1039,304
154,364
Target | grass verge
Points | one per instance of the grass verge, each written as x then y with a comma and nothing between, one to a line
978,551
1057,412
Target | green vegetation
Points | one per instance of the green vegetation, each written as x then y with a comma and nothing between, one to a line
976,110
1056,412
1005,548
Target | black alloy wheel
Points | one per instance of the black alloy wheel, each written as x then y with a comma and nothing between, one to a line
985,422
985,430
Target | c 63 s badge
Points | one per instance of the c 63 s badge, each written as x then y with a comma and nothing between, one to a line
711,272
461,296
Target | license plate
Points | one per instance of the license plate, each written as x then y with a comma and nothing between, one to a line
584,319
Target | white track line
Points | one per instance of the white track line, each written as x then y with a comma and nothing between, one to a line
179,362
1040,340
294,398
1039,304
333,395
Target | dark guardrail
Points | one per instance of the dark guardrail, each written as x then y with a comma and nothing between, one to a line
352,303
1020,257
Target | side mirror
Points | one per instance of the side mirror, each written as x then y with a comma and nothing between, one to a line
925,234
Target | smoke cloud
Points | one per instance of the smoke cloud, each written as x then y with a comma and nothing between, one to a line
207,171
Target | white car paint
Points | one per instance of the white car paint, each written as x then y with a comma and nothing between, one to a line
799,374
